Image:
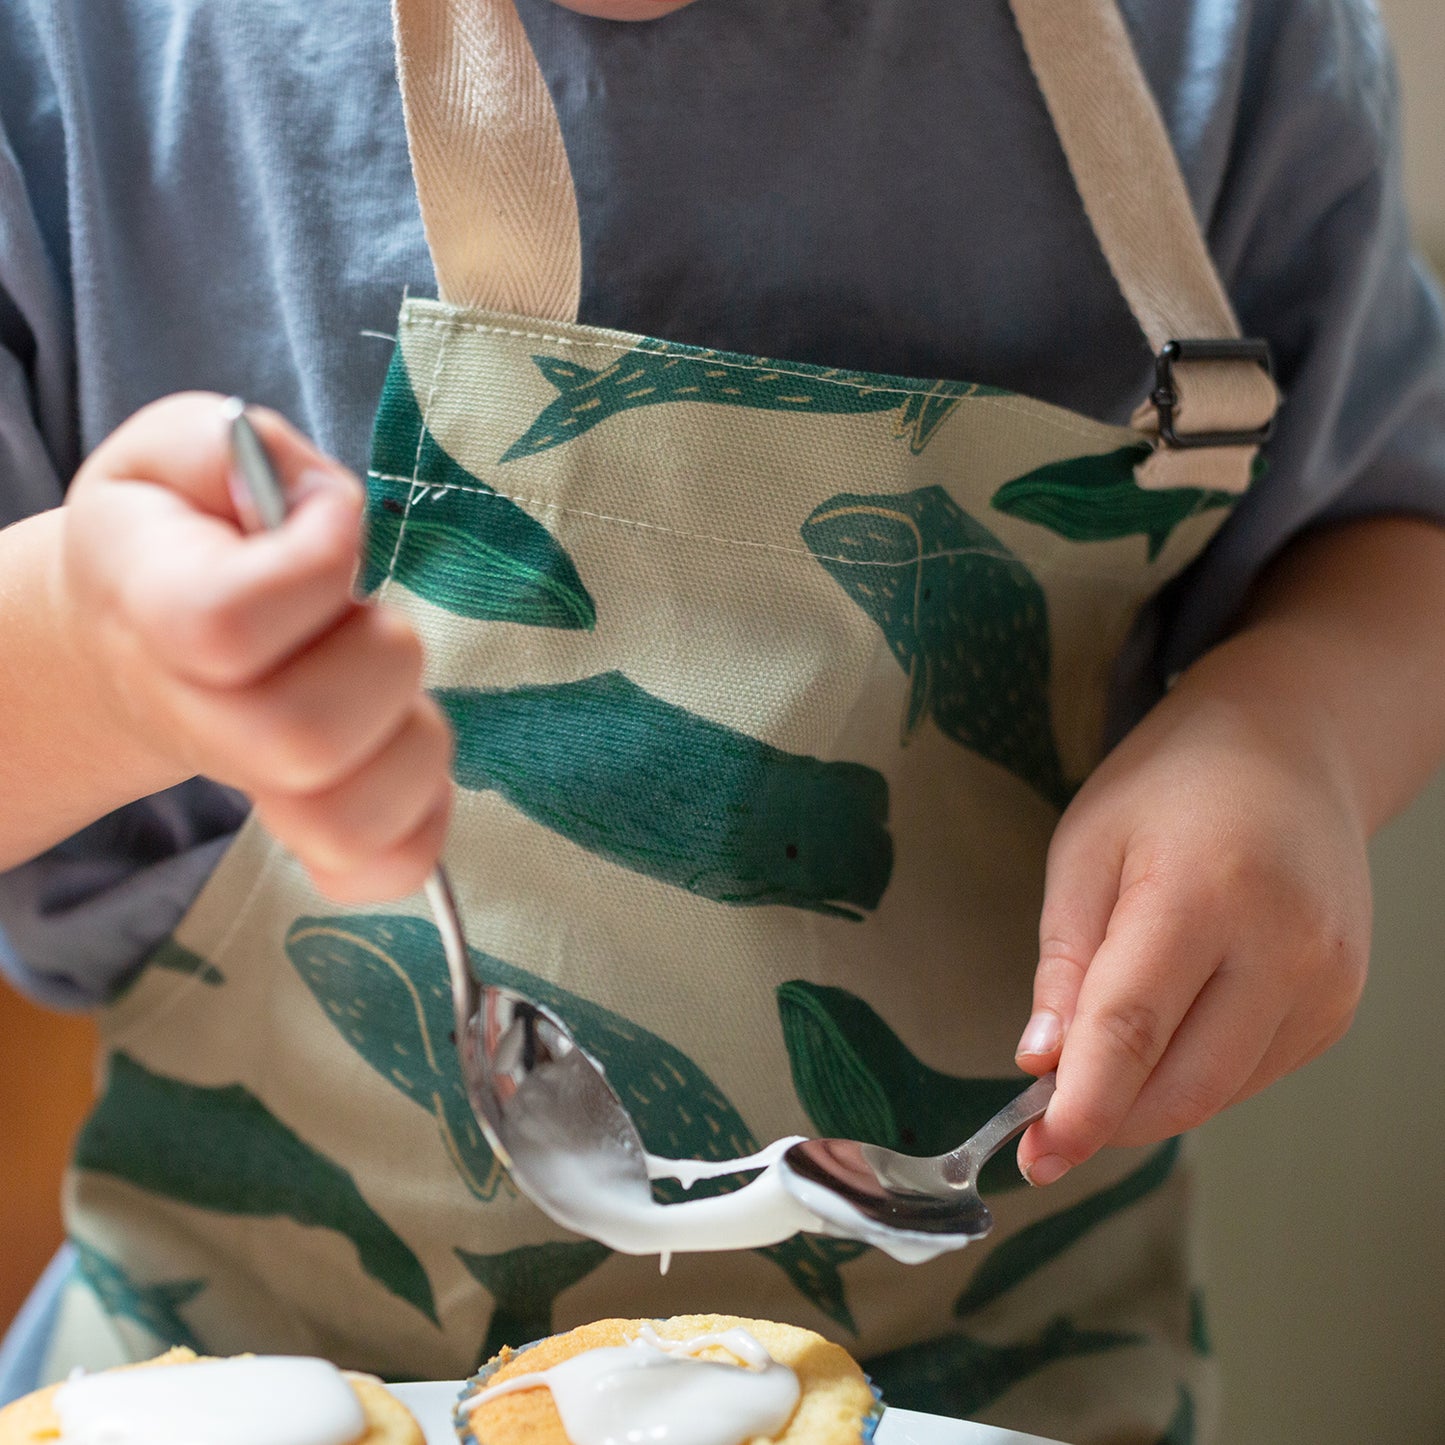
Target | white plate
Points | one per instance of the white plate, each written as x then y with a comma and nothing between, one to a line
432,1403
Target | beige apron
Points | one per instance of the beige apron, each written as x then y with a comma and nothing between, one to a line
769,682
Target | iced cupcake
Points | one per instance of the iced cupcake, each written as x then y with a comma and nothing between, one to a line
701,1379
260,1398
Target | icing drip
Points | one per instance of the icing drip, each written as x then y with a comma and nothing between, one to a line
656,1392
265,1400
759,1213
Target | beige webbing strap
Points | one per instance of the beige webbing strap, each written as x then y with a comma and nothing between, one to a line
501,213
1134,193
486,148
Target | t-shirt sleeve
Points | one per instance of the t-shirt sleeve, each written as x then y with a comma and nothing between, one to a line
1313,239
75,921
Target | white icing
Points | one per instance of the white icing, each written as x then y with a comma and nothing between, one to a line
265,1400
759,1213
656,1392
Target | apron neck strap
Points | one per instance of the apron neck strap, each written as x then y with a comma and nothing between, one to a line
500,209
486,149
1129,179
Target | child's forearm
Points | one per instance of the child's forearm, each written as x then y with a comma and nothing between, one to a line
1343,651
66,759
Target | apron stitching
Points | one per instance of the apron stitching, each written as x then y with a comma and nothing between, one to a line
415,487
801,552
1020,406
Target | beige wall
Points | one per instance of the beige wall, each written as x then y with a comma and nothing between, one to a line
1324,1199
1419,30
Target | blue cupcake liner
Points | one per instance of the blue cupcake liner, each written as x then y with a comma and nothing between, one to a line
466,1436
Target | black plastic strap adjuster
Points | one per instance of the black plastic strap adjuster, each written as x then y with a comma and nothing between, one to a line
1166,398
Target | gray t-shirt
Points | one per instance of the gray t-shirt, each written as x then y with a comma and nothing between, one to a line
201,194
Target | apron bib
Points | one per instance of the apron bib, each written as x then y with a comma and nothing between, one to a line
769,682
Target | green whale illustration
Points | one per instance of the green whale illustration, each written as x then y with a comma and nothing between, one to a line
396,1012
1096,499
171,957
155,1307
857,1080
664,792
447,536
221,1149
382,981
1182,1427
655,372
958,1375
524,1284
963,616
1023,1254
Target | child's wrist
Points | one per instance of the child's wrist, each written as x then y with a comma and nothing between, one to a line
1271,686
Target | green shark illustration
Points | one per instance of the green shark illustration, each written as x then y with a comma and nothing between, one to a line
382,981
447,536
655,372
678,797
1096,499
958,1375
155,1307
220,1149
963,616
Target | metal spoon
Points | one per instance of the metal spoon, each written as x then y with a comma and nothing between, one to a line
901,1202
542,1101
565,1137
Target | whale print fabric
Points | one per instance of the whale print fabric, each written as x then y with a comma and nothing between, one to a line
768,683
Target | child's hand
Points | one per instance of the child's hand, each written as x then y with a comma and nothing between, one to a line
246,658
1205,927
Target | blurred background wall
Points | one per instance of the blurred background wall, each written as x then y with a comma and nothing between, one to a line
1324,1199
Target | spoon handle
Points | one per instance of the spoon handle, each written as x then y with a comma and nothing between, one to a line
268,505
1012,1119
466,993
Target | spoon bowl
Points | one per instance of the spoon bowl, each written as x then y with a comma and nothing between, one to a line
910,1206
543,1102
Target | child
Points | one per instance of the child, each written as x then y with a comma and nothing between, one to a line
655,644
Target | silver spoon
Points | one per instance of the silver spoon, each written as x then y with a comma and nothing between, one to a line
900,1202
547,1110
565,1137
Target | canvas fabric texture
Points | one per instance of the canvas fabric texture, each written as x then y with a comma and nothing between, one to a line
769,682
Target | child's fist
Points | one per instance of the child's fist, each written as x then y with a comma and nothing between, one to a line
246,657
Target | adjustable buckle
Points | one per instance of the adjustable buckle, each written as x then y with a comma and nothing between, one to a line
1166,398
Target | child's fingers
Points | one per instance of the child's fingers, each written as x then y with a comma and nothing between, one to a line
1221,1041
1152,965
222,609
345,828
399,871
182,443
310,724
1080,889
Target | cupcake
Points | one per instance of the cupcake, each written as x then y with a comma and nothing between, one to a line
139,1405
692,1379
